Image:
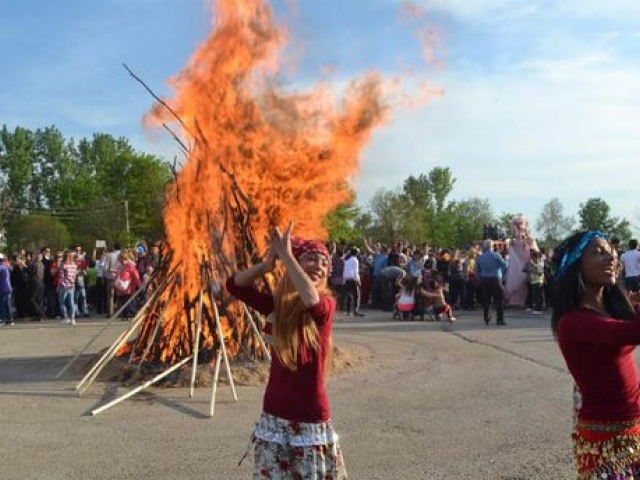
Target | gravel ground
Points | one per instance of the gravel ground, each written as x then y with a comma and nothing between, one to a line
430,401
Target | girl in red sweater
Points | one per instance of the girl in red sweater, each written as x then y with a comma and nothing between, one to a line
294,438
598,330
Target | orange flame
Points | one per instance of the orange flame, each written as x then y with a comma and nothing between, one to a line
293,154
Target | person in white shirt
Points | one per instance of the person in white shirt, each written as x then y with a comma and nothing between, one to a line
351,275
631,263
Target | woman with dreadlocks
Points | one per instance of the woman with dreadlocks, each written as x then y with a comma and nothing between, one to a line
597,330
294,438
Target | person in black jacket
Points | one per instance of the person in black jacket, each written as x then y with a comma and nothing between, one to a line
18,284
34,294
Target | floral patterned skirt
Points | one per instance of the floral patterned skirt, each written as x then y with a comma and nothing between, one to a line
288,450
607,450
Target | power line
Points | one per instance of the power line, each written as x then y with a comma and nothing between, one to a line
63,212
108,204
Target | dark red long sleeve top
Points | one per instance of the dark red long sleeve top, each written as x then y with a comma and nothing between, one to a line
298,395
598,351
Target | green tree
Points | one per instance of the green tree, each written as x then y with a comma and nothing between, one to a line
16,153
107,223
8,205
385,209
145,183
415,207
622,230
84,185
443,230
419,212
441,184
594,214
340,223
117,174
37,230
468,219
552,225
425,213
363,223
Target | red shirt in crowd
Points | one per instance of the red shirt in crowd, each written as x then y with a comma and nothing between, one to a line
81,263
599,354
295,395
128,273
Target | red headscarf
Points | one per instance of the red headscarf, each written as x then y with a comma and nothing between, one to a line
300,246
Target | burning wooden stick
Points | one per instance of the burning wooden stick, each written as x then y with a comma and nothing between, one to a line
267,355
157,327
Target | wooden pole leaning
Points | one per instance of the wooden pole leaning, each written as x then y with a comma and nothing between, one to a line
151,299
108,355
225,357
101,359
106,325
157,327
267,355
214,387
222,345
197,338
133,351
131,393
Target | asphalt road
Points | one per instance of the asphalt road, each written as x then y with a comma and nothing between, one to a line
431,401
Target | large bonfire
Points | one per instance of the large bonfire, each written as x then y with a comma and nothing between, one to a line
257,155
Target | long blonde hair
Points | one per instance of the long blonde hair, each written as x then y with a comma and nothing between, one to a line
290,313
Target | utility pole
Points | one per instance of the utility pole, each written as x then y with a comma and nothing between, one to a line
126,218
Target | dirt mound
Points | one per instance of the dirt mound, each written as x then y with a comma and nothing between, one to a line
346,359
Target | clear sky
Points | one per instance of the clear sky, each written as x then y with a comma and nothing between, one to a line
542,97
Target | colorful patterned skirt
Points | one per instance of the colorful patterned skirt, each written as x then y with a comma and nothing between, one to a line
607,450
288,450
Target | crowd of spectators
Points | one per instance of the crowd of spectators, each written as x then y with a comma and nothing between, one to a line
70,283
411,281
423,282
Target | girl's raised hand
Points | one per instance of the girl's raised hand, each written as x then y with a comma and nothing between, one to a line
281,242
269,260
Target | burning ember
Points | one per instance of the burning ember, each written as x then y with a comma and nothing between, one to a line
257,156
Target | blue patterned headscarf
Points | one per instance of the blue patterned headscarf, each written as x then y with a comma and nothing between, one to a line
571,256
